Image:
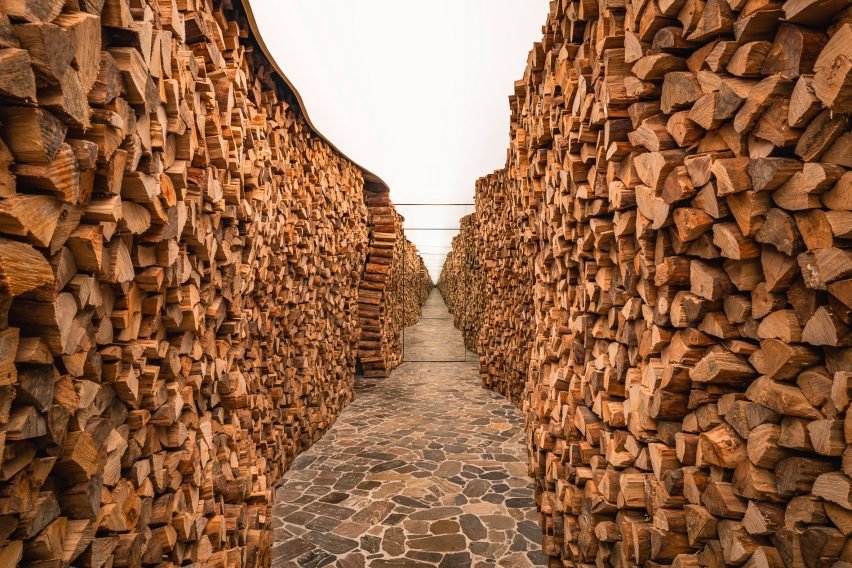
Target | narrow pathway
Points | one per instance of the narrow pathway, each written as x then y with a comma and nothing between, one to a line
425,468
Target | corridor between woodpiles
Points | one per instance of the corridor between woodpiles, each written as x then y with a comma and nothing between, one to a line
424,468
221,344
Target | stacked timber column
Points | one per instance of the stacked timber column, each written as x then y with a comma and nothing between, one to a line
461,283
684,166
506,252
394,286
179,267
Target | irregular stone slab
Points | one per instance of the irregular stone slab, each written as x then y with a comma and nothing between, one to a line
456,560
436,513
520,503
399,563
348,481
476,488
409,502
334,498
425,556
322,524
291,549
448,469
330,542
315,559
371,544
353,560
473,527
299,518
444,527
352,530
394,542
329,510
373,513
393,464
443,543
530,530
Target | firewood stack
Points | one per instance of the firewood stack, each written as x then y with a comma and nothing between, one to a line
506,256
684,166
461,283
414,284
394,286
179,267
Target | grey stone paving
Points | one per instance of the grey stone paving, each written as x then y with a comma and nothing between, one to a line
425,468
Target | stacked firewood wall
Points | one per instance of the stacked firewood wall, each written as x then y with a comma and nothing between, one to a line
394,286
179,266
683,164
416,283
506,254
461,283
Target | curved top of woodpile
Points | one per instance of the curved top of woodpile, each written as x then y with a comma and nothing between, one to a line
369,177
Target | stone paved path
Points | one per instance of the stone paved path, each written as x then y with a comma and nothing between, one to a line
425,468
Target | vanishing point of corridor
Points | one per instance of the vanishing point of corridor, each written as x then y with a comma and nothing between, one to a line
425,468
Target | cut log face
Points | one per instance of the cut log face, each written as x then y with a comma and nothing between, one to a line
667,256
182,263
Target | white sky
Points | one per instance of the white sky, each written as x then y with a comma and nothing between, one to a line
414,91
